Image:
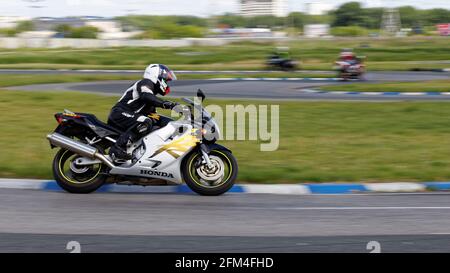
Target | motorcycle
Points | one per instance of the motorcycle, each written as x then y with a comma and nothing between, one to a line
284,64
184,150
350,70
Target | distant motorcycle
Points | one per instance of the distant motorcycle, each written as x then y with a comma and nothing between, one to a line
284,64
182,151
350,70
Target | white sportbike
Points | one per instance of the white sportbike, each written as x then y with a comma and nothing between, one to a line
183,151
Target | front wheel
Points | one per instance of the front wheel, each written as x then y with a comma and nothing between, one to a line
74,178
213,180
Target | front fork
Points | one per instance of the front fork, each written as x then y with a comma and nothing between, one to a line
205,150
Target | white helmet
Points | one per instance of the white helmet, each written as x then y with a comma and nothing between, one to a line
160,75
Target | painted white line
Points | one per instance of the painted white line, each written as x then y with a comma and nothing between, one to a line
372,93
32,184
310,91
363,208
338,92
413,93
395,187
271,79
277,189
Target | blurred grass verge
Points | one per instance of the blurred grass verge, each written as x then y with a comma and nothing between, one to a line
382,54
423,86
319,141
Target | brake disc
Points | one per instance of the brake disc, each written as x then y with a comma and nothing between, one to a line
214,173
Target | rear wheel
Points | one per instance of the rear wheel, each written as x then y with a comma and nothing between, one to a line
75,178
214,180
342,75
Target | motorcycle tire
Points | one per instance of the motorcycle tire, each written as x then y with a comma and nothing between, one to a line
70,181
193,181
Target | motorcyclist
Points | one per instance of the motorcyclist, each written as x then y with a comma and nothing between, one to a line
349,57
281,58
135,112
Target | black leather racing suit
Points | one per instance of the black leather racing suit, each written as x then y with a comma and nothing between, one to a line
131,112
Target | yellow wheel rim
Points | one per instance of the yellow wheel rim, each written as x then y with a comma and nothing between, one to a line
61,171
193,178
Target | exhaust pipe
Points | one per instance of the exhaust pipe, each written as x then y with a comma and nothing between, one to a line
78,148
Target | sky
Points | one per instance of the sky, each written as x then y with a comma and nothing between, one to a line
108,8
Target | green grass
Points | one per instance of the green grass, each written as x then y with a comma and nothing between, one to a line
424,86
320,141
382,54
7,80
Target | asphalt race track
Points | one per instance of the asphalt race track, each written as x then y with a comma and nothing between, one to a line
39,221
255,89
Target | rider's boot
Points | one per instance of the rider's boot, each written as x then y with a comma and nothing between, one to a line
118,152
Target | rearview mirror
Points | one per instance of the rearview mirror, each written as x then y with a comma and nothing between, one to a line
200,94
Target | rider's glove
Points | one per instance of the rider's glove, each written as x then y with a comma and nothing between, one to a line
169,105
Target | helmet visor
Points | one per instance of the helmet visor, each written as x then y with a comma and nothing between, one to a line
167,74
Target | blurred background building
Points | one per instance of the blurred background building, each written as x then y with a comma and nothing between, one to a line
250,8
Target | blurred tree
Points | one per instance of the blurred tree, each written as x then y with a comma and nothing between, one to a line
296,19
410,17
86,32
190,21
349,31
171,30
20,27
231,20
349,14
437,16
372,18
147,21
24,26
319,19
64,30
166,27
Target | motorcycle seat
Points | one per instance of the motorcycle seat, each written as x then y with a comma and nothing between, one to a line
96,122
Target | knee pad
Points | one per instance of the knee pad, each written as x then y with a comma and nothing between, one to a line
144,126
